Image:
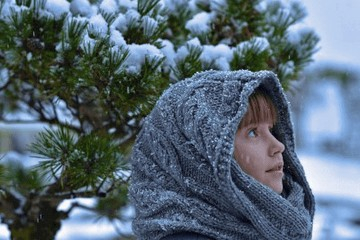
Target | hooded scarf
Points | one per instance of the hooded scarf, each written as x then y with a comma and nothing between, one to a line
185,177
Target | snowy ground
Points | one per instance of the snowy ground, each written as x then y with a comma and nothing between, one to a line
334,180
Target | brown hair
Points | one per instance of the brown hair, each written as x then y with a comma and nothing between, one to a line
261,108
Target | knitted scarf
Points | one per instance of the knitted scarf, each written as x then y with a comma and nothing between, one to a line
184,175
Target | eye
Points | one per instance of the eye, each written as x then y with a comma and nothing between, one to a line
252,133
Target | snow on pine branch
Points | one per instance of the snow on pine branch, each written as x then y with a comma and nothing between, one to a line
200,22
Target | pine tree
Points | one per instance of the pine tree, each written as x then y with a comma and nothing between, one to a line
93,69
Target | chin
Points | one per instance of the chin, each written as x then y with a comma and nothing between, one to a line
278,188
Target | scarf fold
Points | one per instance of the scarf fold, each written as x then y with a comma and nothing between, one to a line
184,175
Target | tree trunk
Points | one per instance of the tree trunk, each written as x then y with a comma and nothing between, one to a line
40,222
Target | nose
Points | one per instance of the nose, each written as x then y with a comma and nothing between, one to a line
276,146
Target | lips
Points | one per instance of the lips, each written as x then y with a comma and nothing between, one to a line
277,167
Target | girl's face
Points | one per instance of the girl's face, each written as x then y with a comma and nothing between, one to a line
256,149
259,153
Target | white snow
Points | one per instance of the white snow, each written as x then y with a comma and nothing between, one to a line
220,54
5,11
218,5
173,5
150,25
195,42
4,232
120,22
4,76
98,25
109,6
132,15
128,4
259,43
24,113
168,51
9,7
117,38
200,23
287,68
82,7
57,7
86,224
88,43
296,31
261,6
62,46
138,54
66,204
183,51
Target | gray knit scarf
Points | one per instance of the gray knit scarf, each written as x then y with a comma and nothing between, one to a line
184,175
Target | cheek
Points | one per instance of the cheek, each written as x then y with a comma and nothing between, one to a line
247,155
246,160
250,161
250,166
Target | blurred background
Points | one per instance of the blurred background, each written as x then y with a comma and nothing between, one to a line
327,118
325,104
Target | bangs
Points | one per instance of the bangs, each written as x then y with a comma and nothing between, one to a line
261,109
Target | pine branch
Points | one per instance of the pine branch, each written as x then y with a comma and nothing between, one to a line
189,65
144,7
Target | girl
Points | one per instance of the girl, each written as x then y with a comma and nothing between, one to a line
216,159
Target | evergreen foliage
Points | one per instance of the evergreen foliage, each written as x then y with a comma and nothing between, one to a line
92,70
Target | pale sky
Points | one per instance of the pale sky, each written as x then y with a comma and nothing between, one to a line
337,22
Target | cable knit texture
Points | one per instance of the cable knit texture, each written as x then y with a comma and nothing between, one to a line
184,175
